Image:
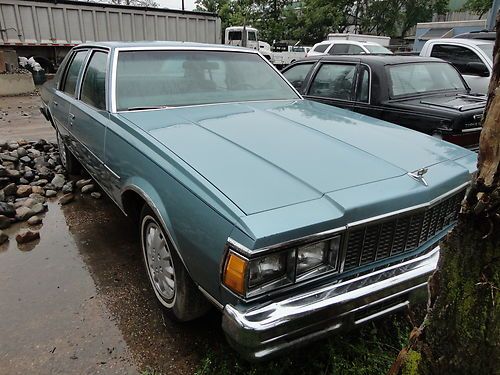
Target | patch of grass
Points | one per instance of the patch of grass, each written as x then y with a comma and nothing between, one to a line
368,350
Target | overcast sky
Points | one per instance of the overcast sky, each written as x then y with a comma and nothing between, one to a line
176,4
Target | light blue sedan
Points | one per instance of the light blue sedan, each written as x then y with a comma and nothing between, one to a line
295,219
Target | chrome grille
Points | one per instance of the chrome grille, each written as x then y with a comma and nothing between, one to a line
399,234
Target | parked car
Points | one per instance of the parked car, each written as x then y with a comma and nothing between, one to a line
424,94
292,217
472,57
347,47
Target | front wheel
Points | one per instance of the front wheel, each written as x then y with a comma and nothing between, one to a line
173,286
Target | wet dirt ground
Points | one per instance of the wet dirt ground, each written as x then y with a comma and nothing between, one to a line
77,301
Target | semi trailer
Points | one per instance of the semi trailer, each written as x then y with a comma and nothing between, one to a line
47,30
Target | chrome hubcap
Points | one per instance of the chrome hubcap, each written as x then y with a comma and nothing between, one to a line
160,265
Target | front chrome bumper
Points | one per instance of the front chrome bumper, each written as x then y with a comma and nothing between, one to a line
260,331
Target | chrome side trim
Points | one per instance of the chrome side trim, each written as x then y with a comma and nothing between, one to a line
211,299
209,104
242,249
115,175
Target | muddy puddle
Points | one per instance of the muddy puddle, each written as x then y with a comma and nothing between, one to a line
77,301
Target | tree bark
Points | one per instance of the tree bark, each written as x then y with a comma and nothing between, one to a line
461,332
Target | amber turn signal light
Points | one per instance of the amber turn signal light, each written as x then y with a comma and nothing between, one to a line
234,273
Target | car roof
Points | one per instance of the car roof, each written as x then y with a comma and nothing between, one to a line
164,44
463,41
373,59
348,41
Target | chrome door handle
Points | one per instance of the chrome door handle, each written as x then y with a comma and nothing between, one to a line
71,116
55,103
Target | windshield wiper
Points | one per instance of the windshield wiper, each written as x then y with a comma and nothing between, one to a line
145,107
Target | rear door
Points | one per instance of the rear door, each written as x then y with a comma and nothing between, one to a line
88,117
333,83
65,95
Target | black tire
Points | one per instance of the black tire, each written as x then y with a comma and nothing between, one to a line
68,160
187,303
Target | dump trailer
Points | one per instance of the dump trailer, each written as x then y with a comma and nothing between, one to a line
47,30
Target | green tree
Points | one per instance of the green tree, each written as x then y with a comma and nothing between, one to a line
479,7
461,332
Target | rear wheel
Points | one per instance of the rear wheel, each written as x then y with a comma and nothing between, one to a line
68,161
173,286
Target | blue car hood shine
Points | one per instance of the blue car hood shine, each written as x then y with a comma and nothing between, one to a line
265,155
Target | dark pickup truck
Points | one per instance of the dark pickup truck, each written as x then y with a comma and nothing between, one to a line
424,94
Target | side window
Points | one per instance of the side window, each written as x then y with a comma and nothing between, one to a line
69,85
339,49
458,56
297,74
252,35
94,81
334,81
355,50
362,94
321,48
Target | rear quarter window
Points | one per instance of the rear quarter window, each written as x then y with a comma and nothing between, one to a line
321,48
72,73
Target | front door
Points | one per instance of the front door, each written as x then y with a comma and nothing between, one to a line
334,84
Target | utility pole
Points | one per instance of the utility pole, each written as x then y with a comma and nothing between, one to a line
493,14
183,5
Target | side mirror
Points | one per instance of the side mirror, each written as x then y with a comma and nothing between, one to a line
477,69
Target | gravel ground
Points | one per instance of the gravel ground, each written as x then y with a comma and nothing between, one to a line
20,118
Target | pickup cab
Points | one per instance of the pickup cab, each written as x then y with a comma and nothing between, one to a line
472,57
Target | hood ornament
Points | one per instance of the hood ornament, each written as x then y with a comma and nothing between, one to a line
418,175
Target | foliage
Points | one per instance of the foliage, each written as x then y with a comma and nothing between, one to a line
369,350
479,7
309,21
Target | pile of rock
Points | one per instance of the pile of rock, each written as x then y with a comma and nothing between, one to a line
31,172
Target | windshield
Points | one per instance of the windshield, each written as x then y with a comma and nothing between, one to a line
488,49
373,48
407,79
178,78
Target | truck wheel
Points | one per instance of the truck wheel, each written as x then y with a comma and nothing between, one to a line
68,161
173,286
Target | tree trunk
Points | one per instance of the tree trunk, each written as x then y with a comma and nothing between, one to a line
461,332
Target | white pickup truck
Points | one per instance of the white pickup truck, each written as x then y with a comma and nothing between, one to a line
283,56
472,58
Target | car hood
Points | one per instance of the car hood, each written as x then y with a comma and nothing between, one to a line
456,103
265,155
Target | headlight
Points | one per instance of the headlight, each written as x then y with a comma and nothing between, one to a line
320,257
250,277
267,268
